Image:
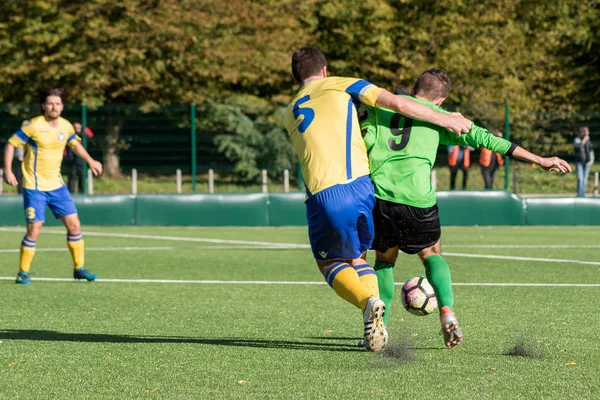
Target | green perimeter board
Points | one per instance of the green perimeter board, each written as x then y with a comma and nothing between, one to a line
11,210
466,208
287,209
105,209
202,210
93,210
562,211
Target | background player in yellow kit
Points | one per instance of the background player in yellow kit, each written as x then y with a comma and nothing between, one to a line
44,139
323,125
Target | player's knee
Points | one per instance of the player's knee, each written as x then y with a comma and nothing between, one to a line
436,249
74,228
73,225
33,231
33,235
389,256
324,265
391,260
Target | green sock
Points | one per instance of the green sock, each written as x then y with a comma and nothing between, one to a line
385,281
438,275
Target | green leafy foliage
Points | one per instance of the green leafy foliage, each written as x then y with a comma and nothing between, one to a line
538,56
252,137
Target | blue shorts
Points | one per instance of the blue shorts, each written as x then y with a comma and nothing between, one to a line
35,202
340,220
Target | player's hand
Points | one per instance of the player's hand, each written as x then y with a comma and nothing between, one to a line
555,164
10,178
458,124
96,167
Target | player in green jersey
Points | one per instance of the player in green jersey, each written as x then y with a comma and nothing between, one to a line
402,152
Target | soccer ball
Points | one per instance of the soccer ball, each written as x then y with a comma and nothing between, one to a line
418,296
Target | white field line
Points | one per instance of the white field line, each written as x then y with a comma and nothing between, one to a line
93,249
166,248
219,282
163,248
272,245
171,238
523,246
525,284
487,256
295,245
497,257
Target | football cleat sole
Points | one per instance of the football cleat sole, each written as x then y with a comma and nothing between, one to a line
375,333
452,333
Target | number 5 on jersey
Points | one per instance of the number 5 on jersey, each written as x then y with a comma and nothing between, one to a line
307,113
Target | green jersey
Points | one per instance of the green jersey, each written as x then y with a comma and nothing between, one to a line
402,153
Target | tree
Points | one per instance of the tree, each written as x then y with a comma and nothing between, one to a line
535,55
137,51
251,136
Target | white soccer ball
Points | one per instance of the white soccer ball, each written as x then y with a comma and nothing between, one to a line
418,296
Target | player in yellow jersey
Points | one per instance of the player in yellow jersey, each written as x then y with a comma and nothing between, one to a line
323,125
44,139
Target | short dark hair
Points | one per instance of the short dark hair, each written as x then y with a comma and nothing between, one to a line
432,84
307,62
46,92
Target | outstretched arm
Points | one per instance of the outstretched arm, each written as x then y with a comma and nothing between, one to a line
454,122
553,164
81,152
479,137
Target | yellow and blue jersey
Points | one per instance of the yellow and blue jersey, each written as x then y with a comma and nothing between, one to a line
44,148
322,123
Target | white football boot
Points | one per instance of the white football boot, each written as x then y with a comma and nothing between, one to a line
375,334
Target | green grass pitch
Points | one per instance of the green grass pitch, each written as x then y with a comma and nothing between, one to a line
256,321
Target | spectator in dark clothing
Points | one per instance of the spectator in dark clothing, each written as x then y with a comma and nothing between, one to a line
459,159
75,164
490,162
584,158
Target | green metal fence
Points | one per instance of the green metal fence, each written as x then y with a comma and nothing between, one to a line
154,140
157,140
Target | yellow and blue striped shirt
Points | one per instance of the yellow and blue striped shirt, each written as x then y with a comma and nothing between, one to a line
322,123
44,148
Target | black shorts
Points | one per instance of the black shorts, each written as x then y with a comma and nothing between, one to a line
412,229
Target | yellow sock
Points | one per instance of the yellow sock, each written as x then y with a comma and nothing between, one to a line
76,248
27,253
344,280
368,278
